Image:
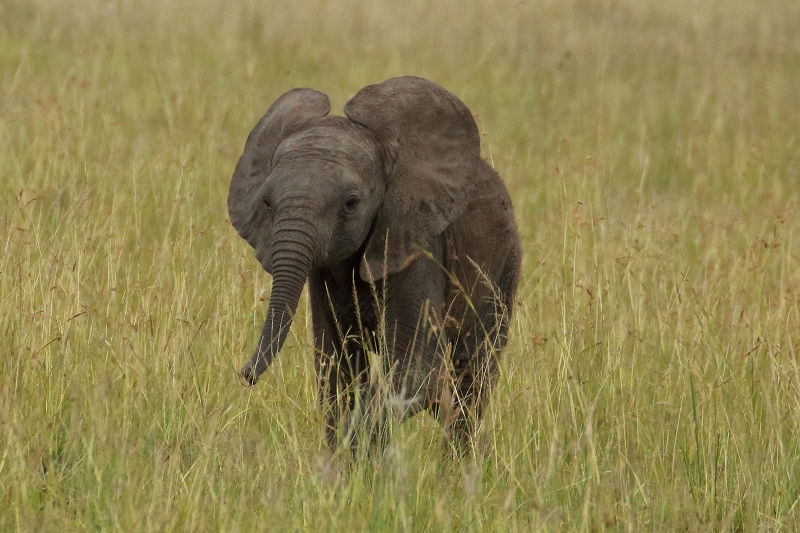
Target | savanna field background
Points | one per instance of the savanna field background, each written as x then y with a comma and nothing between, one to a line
651,383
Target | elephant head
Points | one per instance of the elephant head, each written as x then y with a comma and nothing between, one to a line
311,190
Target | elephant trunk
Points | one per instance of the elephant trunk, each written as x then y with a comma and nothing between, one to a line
291,263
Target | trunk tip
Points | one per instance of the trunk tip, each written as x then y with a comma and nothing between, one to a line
248,376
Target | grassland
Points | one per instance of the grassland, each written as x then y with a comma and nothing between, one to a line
652,150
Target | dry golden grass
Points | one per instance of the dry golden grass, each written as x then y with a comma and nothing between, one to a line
652,150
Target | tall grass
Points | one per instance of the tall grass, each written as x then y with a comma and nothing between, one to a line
652,150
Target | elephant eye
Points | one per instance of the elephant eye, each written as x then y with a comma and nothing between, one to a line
351,203
266,203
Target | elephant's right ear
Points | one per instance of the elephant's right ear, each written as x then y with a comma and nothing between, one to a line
433,150
247,211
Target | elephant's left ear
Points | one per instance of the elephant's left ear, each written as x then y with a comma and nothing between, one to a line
432,155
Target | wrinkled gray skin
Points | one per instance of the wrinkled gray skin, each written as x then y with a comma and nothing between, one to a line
407,240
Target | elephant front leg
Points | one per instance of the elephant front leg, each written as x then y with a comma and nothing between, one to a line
335,394
342,366
353,410
341,371
413,336
334,383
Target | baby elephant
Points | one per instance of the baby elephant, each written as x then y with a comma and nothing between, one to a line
408,242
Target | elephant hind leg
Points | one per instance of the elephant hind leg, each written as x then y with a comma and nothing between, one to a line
475,367
474,377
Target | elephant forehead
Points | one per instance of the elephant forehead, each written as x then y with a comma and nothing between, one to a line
331,142
319,177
